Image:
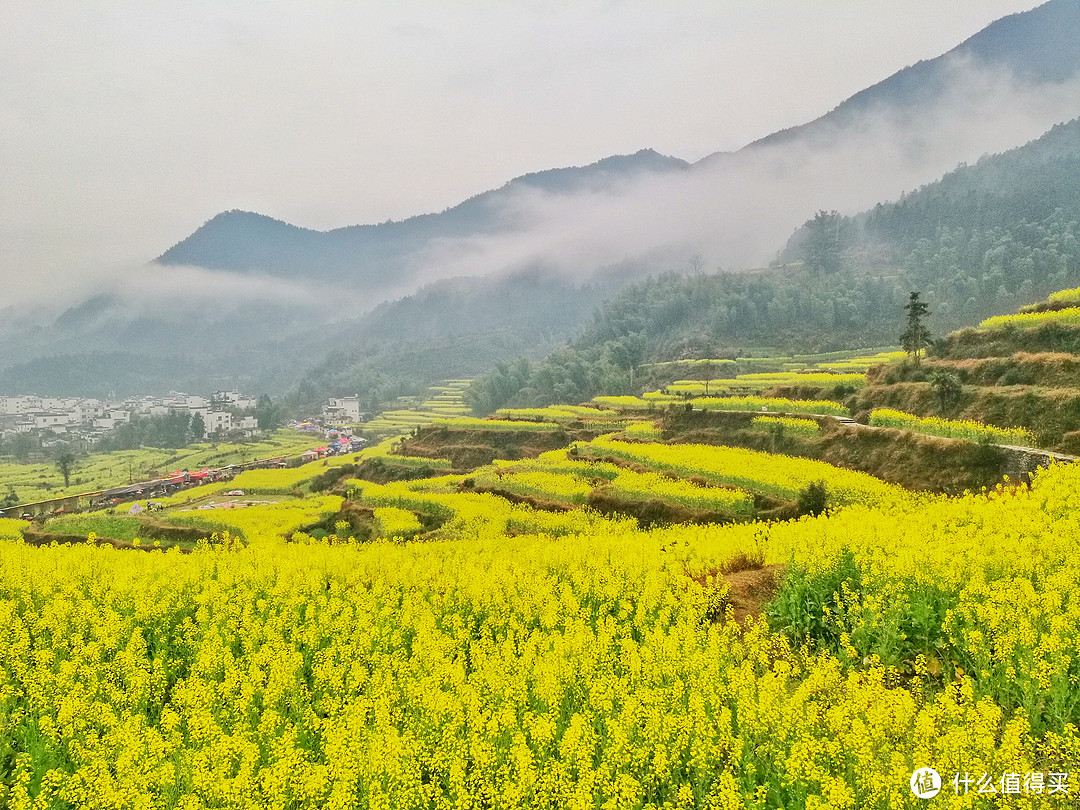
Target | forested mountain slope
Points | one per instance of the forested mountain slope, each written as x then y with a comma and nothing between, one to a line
983,240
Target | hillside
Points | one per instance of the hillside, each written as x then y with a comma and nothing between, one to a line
453,327
985,239
1019,371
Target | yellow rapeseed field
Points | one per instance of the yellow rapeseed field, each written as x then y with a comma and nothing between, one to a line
950,428
556,660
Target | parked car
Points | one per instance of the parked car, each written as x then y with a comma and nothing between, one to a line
235,492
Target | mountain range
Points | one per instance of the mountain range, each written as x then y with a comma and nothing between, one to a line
376,257
1035,49
533,257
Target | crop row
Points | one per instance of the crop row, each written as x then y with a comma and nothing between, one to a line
782,476
950,428
1026,320
558,413
657,401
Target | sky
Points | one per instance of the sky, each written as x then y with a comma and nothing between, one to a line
125,125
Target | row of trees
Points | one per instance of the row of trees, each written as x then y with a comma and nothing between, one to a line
172,430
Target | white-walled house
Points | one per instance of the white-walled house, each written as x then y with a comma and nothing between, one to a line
217,422
87,410
248,424
343,409
19,405
234,399
51,420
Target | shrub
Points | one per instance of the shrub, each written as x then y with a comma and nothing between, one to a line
813,498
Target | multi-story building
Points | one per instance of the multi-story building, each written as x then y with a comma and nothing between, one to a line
217,422
51,420
248,424
233,399
19,405
343,409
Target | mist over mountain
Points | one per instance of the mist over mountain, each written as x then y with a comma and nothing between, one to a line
1003,86
376,258
268,300
984,240
1037,47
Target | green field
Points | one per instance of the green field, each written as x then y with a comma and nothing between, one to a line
41,480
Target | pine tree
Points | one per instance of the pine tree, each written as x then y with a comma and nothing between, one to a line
917,337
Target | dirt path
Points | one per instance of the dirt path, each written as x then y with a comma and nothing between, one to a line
750,590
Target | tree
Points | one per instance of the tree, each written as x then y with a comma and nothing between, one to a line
709,369
197,427
266,413
170,430
916,337
65,463
825,241
23,444
628,352
948,389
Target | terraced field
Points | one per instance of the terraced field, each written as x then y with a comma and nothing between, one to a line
623,621
446,401
783,663
1016,372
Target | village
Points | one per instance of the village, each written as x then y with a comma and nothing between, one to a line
84,421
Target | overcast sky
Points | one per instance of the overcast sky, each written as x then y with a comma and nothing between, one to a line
125,125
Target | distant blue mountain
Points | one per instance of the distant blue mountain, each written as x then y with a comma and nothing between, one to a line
372,257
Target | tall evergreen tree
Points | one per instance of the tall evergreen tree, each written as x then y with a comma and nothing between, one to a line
197,427
916,337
